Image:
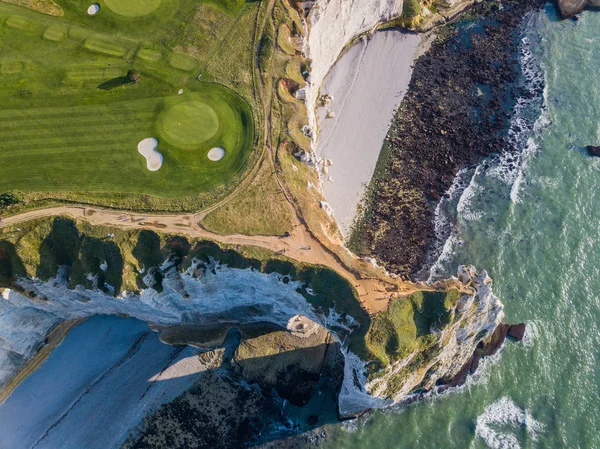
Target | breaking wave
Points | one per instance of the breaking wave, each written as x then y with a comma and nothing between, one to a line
466,199
500,421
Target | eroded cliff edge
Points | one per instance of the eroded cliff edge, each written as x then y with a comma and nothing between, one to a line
294,319
196,292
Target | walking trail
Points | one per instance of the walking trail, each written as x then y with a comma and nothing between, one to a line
300,245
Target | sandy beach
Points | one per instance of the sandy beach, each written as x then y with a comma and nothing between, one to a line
367,84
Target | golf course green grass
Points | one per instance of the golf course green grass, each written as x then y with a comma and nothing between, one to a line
132,8
188,124
94,147
70,121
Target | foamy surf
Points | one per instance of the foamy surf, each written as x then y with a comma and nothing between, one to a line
499,422
508,167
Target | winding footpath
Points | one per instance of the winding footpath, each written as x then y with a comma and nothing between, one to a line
300,245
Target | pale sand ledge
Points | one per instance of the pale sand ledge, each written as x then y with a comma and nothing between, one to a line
216,154
367,84
147,148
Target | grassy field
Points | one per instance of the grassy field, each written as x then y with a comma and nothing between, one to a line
261,210
70,120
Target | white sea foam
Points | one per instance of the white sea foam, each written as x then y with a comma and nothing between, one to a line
508,168
532,333
526,124
496,425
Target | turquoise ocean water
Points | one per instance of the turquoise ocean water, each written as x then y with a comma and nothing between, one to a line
535,228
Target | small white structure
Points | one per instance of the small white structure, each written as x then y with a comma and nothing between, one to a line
216,154
147,148
93,9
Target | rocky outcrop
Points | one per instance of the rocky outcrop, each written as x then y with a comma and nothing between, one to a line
291,361
517,331
593,150
570,8
474,321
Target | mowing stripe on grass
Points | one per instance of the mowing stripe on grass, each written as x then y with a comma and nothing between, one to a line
19,23
93,148
54,34
183,62
105,47
150,54
132,8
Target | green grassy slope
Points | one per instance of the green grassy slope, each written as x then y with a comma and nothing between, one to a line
70,122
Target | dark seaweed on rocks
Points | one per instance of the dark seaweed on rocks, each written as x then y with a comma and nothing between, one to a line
457,111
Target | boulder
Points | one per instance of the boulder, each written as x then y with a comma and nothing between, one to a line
593,150
517,331
570,8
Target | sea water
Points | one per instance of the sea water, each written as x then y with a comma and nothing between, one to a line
534,223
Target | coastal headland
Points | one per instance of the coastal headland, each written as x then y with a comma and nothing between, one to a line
239,262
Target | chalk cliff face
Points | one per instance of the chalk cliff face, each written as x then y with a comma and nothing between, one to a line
332,25
474,320
214,295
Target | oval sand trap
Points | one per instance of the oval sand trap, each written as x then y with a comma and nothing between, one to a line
147,148
93,9
216,154
132,8
188,125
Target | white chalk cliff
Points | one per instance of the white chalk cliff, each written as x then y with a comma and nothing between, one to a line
223,295
332,25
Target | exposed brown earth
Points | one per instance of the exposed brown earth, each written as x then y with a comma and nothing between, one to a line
300,245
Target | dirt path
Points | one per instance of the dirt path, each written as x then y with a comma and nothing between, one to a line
300,245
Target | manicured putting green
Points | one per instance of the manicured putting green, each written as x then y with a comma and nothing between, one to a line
132,8
188,125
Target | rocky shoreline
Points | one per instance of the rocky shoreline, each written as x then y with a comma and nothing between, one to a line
456,113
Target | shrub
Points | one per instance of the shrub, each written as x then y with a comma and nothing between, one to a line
412,8
9,199
267,46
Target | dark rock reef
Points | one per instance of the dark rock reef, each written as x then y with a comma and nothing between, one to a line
241,401
457,111
593,150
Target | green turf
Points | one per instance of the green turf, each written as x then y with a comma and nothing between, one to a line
94,147
133,8
54,34
70,122
188,124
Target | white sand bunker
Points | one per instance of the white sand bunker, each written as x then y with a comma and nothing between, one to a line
147,148
93,9
216,154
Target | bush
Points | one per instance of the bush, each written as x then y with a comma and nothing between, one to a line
267,46
10,199
412,8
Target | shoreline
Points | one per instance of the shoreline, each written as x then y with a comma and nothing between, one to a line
379,67
457,113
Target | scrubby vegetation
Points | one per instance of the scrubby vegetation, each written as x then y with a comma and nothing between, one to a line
409,324
261,210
